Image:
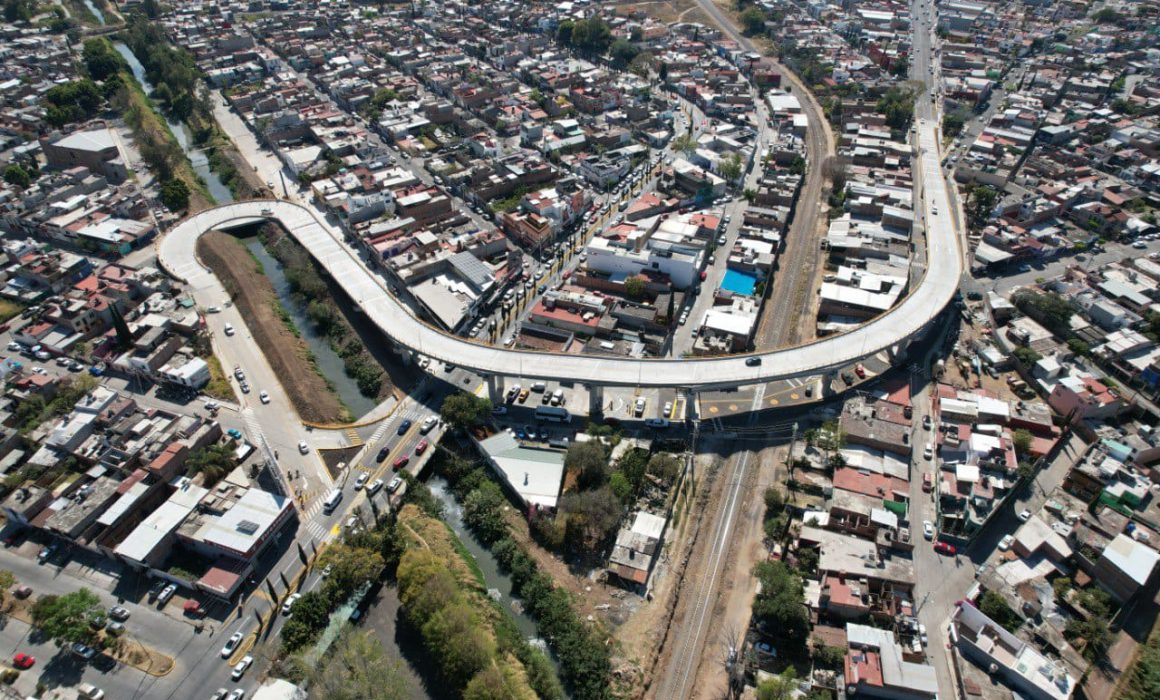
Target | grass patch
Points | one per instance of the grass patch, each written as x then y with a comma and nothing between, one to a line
465,555
149,126
8,309
219,386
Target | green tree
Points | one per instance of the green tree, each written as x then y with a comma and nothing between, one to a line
14,174
357,667
1026,355
350,567
620,486
483,512
66,619
993,606
589,460
459,641
1022,439
175,194
981,201
953,123
622,53
665,467
1078,347
634,287
463,409
730,167
499,681
591,517
101,60
685,143
211,461
780,687
897,105
781,604
564,31
753,20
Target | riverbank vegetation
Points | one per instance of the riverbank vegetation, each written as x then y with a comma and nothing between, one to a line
582,648
182,96
313,294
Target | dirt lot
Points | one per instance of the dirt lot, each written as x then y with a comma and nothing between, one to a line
286,353
675,11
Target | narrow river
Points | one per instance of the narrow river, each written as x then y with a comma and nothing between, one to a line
329,363
497,583
197,158
96,12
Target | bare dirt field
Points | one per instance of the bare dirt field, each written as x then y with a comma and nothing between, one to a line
674,11
287,353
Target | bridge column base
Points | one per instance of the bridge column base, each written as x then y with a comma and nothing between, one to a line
691,396
493,393
595,400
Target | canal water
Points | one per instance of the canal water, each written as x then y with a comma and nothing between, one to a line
96,12
497,582
329,363
197,157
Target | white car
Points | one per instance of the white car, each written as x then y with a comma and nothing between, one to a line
927,529
927,452
241,667
303,447
229,329
263,396
361,481
288,606
231,644
374,487
238,694
668,409
1025,515
1006,542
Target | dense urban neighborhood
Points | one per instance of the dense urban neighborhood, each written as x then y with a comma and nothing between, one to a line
677,350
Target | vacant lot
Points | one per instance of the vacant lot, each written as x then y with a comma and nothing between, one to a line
287,353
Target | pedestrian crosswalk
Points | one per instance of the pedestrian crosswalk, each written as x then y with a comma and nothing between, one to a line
352,435
253,428
316,530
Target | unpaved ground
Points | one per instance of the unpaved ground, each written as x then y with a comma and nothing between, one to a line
662,11
287,354
734,603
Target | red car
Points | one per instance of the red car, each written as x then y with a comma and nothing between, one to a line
23,661
944,548
704,275
860,371
421,447
401,462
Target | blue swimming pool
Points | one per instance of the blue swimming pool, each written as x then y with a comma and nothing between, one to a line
739,282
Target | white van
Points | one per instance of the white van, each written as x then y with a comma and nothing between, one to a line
557,397
332,501
229,329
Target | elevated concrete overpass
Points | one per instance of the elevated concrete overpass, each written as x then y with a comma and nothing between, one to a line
177,255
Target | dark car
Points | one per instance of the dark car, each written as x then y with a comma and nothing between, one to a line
405,426
84,651
382,454
752,361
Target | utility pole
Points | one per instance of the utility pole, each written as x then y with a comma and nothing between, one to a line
792,445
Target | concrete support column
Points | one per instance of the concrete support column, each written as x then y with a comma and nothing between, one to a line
691,413
595,399
493,389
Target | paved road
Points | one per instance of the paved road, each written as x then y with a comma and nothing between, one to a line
799,260
176,252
